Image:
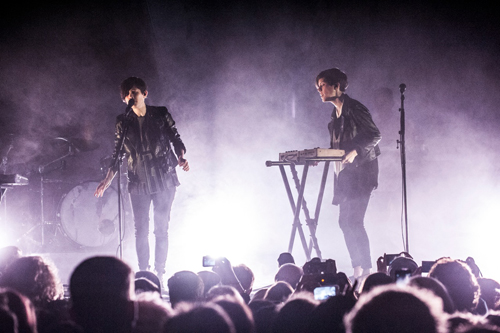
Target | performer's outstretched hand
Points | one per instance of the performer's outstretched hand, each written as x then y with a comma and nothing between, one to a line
104,184
183,162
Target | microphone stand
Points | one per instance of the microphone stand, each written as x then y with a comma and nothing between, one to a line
117,163
401,141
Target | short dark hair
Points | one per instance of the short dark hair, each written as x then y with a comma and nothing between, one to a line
100,277
185,286
458,279
245,275
131,82
333,76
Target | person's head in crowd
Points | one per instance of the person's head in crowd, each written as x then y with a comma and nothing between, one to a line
328,316
152,313
21,309
374,280
458,279
200,317
102,294
401,264
256,305
228,291
264,313
146,281
239,312
35,278
246,277
279,292
392,308
8,254
490,291
210,279
285,258
294,316
437,288
185,286
290,273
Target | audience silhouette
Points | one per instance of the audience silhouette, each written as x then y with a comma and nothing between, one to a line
106,296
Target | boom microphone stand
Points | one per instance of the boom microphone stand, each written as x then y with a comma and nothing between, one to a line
116,165
401,141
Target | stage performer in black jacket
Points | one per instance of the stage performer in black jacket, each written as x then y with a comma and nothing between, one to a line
151,168
356,176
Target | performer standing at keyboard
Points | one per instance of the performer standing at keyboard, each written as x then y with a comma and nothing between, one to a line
151,168
353,130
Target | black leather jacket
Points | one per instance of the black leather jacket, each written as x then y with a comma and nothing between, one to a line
150,159
357,132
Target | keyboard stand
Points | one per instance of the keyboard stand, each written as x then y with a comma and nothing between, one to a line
312,223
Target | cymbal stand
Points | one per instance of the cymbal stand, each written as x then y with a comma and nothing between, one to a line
42,170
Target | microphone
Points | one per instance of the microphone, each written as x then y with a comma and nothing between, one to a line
128,109
402,88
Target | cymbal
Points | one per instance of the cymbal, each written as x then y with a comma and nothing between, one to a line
81,145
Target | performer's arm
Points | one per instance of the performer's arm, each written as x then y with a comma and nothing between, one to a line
175,138
349,157
113,169
104,184
183,162
368,135
224,269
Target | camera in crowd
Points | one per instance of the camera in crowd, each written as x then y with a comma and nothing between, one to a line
209,261
321,278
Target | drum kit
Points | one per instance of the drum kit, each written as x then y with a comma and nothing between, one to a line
57,208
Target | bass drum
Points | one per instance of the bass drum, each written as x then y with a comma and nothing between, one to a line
87,220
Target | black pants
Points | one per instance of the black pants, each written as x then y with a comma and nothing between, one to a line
353,189
351,221
162,204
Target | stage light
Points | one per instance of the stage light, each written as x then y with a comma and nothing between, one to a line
220,226
6,239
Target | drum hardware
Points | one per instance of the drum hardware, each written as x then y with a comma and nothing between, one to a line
74,145
86,222
73,219
43,170
41,211
8,181
82,145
